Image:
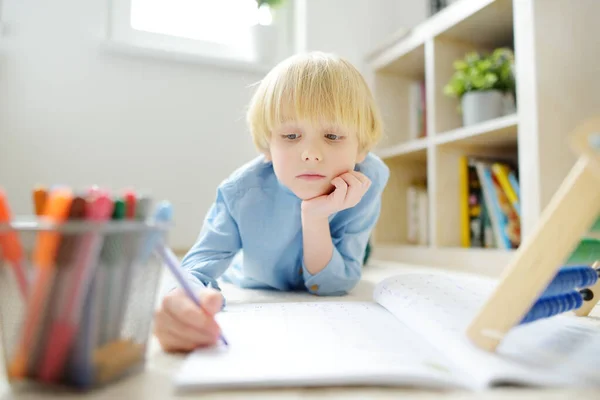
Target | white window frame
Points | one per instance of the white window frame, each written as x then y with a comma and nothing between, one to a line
121,37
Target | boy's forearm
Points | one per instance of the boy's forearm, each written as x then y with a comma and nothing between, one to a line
317,243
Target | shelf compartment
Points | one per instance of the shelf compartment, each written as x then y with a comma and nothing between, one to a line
448,185
403,110
444,53
407,58
392,227
495,17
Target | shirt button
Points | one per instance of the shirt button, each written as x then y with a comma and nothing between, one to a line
314,288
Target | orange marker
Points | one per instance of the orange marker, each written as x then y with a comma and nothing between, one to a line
11,247
56,211
40,195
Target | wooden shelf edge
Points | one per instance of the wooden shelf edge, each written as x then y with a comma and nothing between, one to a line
482,128
386,54
489,262
408,148
388,57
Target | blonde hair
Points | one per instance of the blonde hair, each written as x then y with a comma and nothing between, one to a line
316,87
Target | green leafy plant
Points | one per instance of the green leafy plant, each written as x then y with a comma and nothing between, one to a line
477,72
271,3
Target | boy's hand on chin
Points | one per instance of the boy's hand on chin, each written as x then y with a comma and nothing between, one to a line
350,187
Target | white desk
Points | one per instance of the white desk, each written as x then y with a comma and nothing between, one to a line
155,382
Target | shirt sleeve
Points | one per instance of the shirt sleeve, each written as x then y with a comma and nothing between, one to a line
350,238
217,244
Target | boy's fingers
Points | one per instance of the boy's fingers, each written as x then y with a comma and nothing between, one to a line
356,189
170,341
341,189
185,332
352,180
338,182
181,308
167,340
361,177
211,301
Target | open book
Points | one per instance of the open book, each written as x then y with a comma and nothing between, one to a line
412,334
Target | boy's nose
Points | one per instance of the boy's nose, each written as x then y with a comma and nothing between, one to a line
311,155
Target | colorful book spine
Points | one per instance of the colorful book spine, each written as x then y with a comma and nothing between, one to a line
502,171
465,220
497,216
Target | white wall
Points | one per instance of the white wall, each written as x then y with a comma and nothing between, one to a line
354,28
73,113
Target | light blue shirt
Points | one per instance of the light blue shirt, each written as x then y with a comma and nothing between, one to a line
252,234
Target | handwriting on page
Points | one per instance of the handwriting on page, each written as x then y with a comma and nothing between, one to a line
447,301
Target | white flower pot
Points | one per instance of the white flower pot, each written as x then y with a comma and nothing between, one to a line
510,106
265,43
483,105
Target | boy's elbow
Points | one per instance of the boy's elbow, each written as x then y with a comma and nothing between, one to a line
337,286
338,278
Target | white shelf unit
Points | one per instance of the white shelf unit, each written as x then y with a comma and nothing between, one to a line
556,56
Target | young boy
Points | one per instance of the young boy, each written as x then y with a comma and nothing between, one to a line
299,216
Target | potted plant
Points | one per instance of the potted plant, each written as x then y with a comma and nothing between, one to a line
484,84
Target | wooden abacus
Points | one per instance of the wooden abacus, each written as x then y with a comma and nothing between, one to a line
563,237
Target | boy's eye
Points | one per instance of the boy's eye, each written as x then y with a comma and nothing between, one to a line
291,136
333,136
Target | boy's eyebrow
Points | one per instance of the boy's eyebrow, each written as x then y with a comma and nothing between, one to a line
323,127
336,128
289,122
286,125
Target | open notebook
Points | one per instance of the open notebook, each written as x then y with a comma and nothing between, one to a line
412,334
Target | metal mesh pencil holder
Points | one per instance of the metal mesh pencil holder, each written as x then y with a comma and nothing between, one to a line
77,300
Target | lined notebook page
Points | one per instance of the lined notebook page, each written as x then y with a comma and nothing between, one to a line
444,301
315,343
558,350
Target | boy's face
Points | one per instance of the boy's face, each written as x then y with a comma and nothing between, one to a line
306,158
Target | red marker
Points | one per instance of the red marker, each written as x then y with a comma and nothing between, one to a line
129,204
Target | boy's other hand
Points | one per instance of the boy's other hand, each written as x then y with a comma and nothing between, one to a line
350,187
180,325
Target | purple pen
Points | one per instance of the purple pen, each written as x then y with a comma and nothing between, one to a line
171,260
162,215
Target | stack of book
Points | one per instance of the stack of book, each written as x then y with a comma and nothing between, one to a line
490,207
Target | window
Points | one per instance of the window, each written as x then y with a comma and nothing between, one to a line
234,30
